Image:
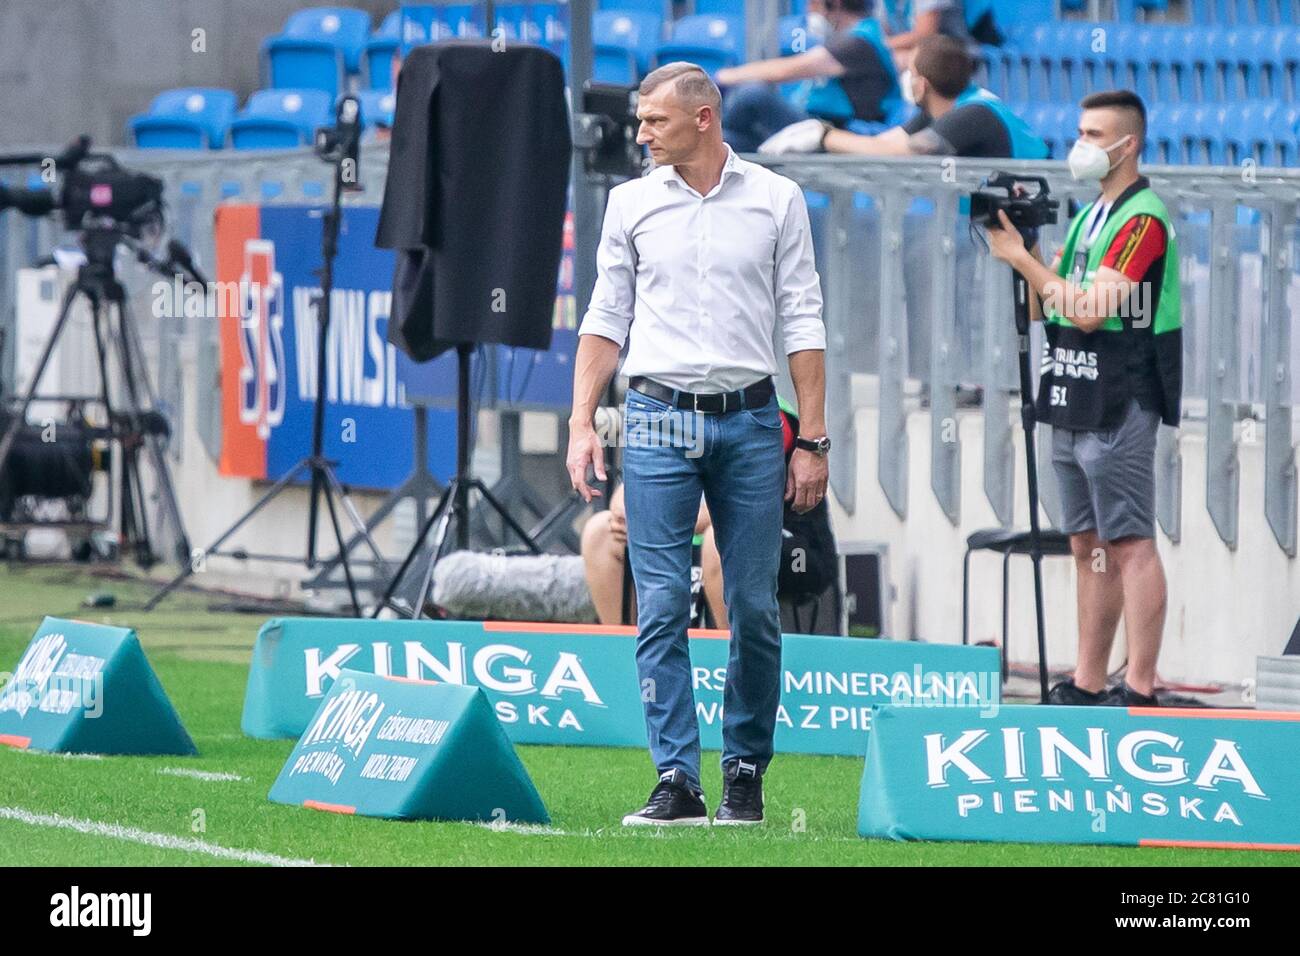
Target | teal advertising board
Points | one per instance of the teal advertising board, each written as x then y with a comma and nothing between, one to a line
1135,777
87,688
577,684
408,750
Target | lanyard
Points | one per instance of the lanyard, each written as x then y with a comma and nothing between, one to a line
1088,235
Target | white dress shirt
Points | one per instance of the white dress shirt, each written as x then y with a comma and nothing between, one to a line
700,281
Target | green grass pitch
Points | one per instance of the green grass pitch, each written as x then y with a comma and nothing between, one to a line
60,810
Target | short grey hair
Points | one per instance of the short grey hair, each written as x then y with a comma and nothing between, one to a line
693,85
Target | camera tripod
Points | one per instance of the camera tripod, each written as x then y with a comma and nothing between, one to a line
138,427
1020,296
339,147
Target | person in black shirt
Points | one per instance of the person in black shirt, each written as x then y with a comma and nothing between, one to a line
849,77
955,117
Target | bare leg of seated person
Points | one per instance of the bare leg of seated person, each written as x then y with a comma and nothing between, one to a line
604,549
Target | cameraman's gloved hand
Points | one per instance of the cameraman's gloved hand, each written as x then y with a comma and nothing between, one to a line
806,136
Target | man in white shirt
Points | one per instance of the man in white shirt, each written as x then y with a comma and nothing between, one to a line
698,262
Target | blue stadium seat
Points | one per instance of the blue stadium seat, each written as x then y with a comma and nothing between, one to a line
1203,130
1073,43
463,20
1288,60
1060,127
377,107
1248,132
317,49
554,32
721,8
998,68
1285,123
512,20
663,9
1237,66
1150,149
793,35
625,43
189,118
1126,11
382,46
1196,48
281,118
712,42
1166,134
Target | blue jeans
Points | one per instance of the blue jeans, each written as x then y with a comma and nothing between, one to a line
736,459
751,112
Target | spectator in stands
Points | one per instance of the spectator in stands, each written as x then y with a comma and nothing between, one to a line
1111,372
850,77
955,117
911,21
807,550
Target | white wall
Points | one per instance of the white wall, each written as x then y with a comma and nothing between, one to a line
1225,607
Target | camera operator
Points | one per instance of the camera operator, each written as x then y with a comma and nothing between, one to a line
1111,372
956,117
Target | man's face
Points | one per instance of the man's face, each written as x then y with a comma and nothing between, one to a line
1105,127
670,131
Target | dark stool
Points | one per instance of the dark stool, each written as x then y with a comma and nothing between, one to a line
1006,542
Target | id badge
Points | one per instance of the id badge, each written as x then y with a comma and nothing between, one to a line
1080,267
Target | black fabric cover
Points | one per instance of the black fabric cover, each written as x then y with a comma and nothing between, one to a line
476,195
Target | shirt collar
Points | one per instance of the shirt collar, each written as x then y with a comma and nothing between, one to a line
733,165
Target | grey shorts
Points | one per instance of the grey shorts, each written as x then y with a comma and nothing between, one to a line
1107,478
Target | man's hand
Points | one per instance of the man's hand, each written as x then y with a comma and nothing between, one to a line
1006,243
585,449
726,76
805,480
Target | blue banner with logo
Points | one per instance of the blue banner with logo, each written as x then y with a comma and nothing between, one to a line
1131,776
270,257
578,685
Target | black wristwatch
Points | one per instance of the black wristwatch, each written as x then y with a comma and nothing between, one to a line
818,446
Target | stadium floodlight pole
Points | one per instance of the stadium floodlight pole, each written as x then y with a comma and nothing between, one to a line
1020,296
340,146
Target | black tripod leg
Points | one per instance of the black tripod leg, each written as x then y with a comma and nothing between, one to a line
188,567
137,376
347,568
443,503
350,510
506,516
1020,293
439,542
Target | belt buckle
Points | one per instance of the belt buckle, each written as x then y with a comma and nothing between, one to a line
695,401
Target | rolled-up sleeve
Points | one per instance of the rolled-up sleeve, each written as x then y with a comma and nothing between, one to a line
610,311
798,287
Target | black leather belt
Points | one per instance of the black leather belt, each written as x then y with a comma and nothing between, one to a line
713,403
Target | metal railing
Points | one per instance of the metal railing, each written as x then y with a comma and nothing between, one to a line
911,300
915,301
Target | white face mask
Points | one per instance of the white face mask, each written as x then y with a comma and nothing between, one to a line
1088,161
818,26
905,84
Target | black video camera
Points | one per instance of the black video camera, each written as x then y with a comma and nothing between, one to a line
96,192
1026,210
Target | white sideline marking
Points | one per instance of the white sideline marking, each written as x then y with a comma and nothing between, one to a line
163,840
62,756
525,829
208,775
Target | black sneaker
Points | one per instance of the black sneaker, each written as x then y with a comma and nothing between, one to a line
1121,695
742,795
672,803
1067,693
